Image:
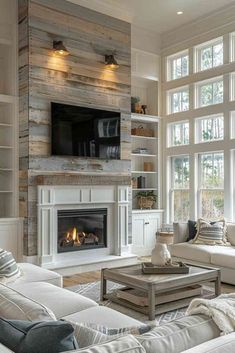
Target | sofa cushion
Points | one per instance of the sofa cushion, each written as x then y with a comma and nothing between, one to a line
37,337
196,252
181,232
125,344
192,229
61,301
9,270
32,273
223,344
179,335
4,349
15,305
102,315
231,233
226,257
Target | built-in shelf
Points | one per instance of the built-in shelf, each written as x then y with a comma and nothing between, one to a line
6,191
6,98
5,170
5,125
143,155
144,189
6,147
143,137
144,117
142,172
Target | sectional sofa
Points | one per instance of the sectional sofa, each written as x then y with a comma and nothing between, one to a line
38,293
212,255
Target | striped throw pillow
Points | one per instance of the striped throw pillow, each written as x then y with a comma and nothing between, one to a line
9,270
211,233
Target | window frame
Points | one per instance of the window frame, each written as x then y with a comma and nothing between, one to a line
172,189
170,133
232,46
232,124
169,62
198,49
170,99
197,128
198,87
199,177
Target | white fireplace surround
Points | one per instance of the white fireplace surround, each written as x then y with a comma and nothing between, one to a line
53,198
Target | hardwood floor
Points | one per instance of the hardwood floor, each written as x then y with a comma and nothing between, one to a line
87,277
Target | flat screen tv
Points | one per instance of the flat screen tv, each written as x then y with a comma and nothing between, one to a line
84,132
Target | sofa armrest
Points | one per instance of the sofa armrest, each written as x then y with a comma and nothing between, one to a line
4,349
180,232
223,344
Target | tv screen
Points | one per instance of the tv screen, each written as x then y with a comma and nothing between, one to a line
84,132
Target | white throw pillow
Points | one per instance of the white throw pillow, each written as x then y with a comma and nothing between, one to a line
16,306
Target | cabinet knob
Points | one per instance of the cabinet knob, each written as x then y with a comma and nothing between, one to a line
146,223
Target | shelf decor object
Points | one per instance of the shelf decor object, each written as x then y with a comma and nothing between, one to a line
146,199
141,131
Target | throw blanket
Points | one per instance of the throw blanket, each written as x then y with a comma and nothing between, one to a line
220,309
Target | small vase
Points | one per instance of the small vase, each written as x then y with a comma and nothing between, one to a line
161,255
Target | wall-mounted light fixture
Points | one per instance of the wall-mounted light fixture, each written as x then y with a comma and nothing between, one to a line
59,48
111,62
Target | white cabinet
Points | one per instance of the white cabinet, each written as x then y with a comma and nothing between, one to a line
144,227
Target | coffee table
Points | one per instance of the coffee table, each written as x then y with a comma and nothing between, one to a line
132,277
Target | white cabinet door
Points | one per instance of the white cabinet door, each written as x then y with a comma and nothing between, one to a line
144,228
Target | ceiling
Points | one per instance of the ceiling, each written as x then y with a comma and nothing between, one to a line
156,15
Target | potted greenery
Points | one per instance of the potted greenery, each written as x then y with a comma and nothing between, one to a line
135,104
146,199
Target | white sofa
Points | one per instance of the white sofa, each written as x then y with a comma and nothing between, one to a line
212,255
174,337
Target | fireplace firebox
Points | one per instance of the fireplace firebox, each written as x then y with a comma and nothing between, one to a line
82,229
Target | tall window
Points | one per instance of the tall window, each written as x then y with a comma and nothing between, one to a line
210,128
232,125
178,134
179,100
232,46
232,86
211,185
177,65
210,92
210,54
180,188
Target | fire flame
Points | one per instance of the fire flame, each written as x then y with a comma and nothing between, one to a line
73,235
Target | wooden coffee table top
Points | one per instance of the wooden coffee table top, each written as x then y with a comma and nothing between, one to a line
133,275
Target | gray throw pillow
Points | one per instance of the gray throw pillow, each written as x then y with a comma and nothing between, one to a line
37,337
9,269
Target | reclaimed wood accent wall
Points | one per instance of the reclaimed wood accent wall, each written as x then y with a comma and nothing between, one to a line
80,79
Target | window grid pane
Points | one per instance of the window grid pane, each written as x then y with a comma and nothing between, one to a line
232,125
181,205
210,55
211,93
212,204
210,129
179,134
212,170
178,66
181,172
179,101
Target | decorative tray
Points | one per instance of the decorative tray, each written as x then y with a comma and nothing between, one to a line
175,267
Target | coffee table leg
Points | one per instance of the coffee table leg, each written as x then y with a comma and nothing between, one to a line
218,285
151,297
103,286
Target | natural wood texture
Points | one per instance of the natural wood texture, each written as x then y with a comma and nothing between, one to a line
81,79
132,277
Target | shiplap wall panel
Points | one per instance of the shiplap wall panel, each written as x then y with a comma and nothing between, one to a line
80,79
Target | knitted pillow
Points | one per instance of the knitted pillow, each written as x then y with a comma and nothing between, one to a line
9,270
211,233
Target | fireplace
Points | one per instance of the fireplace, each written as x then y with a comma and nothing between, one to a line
82,229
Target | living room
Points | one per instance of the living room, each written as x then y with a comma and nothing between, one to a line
117,199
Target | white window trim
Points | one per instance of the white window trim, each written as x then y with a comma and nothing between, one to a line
232,46
200,84
199,189
197,132
197,53
171,186
232,86
170,135
170,101
169,63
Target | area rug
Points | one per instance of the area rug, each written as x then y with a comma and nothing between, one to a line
92,291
